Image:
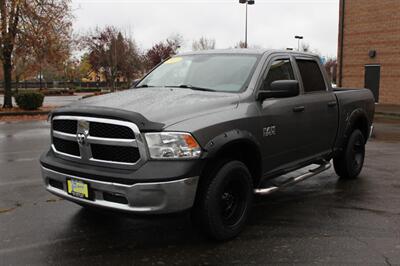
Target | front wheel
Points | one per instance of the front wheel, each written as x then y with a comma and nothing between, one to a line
224,202
349,163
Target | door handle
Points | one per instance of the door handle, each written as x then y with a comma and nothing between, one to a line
298,109
332,104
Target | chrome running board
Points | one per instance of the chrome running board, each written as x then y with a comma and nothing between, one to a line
312,172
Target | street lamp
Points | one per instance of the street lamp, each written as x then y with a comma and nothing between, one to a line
247,2
298,41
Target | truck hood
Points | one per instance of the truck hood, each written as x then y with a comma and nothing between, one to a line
165,106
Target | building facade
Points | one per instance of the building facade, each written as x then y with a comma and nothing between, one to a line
369,47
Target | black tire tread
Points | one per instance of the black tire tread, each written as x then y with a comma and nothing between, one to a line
201,216
341,162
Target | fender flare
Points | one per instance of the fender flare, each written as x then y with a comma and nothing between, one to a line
228,138
351,120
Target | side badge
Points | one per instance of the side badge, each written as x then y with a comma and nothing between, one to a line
269,131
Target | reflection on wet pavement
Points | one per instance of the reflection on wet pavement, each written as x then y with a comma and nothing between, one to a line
323,220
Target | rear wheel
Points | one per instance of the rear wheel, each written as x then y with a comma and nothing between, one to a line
223,202
349,163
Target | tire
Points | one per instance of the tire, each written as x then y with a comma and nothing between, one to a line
224,201
349,163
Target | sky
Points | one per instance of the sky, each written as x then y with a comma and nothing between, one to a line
271,23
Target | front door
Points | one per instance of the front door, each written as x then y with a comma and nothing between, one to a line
278,119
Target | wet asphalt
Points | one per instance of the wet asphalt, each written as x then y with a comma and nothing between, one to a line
322,221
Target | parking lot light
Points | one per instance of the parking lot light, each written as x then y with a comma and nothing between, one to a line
298,37
247,2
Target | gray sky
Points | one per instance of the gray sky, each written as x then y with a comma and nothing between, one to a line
272,23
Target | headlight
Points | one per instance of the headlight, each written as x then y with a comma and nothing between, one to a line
172,145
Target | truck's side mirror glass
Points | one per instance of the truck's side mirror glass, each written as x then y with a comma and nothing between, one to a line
280,89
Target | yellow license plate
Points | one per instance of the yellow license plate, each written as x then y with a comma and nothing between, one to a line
78,188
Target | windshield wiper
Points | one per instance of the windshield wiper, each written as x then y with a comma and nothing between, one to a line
144,86
188,86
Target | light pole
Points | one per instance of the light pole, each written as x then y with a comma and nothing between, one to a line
298,41
247,2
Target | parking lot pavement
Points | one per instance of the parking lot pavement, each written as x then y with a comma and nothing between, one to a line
320,221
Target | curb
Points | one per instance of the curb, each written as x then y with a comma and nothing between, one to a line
24,113
397,115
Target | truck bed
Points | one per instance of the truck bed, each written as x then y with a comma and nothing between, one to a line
350,100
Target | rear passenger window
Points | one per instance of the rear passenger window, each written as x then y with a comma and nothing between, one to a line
311,76
280,70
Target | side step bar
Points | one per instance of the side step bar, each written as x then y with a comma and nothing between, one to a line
312,172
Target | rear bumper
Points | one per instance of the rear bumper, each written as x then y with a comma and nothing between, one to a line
146,198
371,131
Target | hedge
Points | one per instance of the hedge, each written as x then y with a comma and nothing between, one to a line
29,100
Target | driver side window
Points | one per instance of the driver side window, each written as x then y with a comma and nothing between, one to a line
280,69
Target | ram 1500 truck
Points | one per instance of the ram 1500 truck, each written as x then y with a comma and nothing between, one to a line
205,132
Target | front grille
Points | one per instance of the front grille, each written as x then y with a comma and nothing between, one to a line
107,140
66,126
66,146
115,153
110,131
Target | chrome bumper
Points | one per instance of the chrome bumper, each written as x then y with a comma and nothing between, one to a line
149,198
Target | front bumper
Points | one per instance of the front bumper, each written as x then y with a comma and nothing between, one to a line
147,198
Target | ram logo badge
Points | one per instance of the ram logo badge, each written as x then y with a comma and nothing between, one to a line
269,131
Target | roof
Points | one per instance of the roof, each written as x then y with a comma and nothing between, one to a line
245,51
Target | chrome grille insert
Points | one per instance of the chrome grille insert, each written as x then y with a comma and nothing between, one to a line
125,149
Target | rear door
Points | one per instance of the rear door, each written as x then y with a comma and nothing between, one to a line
319,115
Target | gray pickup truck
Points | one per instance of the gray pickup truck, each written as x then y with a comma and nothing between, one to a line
205,132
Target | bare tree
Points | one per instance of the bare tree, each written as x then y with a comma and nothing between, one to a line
331,68
240,45
203,44
305,47
175,41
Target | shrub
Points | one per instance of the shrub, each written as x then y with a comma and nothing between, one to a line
87,89
29,100
57,92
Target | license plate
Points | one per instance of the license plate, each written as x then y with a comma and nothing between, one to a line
78,188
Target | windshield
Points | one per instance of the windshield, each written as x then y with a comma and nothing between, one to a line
213,72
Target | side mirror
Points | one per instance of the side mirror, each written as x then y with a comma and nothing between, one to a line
280,89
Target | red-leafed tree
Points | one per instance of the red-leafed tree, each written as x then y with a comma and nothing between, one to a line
111,53
158,53
162,50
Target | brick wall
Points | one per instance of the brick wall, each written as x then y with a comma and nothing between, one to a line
372,25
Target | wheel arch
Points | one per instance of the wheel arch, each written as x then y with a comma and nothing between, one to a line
358,119
235,145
